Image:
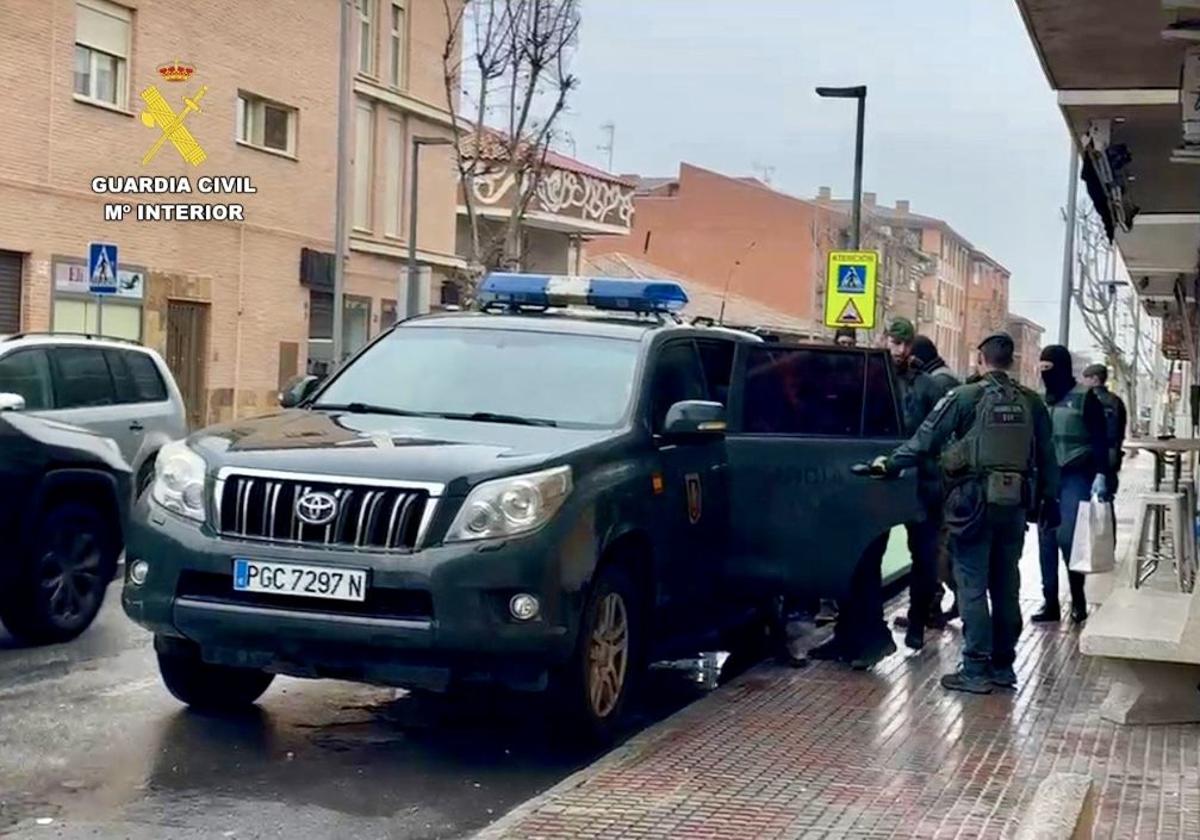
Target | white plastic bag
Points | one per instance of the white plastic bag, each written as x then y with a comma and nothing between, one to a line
1094,548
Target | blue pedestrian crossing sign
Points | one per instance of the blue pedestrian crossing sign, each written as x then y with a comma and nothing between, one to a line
102,268
852,279
850,289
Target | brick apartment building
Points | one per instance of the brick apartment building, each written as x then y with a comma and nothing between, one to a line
937,269
1027,336
734,234
987,299
236,307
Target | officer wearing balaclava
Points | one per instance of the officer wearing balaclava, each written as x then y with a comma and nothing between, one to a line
1081,446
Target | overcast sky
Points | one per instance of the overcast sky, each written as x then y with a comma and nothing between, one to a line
960,118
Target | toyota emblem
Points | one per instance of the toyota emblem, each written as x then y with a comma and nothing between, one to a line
317,508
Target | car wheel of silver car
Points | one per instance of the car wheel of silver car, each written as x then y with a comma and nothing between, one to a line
66,573
597,684
207,687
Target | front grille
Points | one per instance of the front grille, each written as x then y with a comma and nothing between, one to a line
414,604
371,517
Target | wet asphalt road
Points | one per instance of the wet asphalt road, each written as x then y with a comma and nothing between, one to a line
91,741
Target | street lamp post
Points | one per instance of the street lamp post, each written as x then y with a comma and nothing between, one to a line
413,297
860,93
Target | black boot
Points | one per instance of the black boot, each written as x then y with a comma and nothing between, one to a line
874,653
914,639
1079,613
1048,614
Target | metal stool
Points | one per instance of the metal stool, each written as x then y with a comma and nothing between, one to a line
1174,540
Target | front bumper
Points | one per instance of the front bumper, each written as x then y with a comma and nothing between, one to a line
433,617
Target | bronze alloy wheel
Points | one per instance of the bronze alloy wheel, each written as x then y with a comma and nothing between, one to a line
608,655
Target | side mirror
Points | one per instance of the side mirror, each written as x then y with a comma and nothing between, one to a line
695,419
12,402
298,390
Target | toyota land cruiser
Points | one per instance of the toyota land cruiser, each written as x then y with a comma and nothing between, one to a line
535,496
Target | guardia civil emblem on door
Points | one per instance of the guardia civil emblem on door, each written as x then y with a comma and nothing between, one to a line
692,480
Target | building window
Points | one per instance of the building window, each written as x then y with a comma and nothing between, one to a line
356,323
320,333
366,36
387,313
102,51
265,124
396,58
393,166
364,145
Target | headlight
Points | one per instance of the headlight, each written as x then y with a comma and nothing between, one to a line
507,507
179,480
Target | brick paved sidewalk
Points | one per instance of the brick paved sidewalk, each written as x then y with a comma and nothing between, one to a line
828,753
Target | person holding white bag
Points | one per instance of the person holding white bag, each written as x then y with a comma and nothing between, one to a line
1081,446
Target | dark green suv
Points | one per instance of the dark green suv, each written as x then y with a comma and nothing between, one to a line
539,500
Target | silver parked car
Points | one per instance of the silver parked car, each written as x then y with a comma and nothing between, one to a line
112,387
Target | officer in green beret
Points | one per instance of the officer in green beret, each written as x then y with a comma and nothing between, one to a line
994,441
919,393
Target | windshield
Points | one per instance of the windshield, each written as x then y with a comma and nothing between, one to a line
508,376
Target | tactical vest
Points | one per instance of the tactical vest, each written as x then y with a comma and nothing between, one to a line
1112,423
998,448
1072,443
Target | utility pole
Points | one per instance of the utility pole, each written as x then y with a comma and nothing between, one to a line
342,175
1135,398
1064,306
609,128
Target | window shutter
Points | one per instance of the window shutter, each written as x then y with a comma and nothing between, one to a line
103,26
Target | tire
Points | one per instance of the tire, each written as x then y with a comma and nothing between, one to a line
592,691
210,688
61,587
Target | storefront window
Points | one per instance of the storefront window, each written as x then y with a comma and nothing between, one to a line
76,310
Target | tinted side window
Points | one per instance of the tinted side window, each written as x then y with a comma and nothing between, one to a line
716,357
123,386
804,392
147,381
879,419
677,377
27,372
81,378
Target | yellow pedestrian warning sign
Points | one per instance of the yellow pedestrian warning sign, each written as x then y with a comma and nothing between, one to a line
850,289
850,316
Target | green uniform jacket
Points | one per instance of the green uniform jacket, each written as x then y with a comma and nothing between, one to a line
953,418
919,394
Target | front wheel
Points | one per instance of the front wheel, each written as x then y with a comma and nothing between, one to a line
595,686
62,585
215,688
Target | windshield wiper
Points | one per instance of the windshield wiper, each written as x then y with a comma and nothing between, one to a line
370,408
493,417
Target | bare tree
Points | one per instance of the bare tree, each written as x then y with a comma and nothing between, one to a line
510,56
1108,306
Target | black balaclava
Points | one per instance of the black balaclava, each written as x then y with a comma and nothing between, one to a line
1060,378
924,354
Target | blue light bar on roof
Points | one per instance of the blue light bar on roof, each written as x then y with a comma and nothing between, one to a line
609,293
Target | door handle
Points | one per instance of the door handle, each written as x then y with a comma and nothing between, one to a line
136,426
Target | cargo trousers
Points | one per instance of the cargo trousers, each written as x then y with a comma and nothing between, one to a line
986,566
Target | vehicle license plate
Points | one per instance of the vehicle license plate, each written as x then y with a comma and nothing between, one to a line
301,580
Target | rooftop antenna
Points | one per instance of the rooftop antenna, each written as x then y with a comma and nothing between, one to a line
729,280
609,128
765,170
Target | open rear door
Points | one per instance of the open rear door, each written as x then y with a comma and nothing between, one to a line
800,416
